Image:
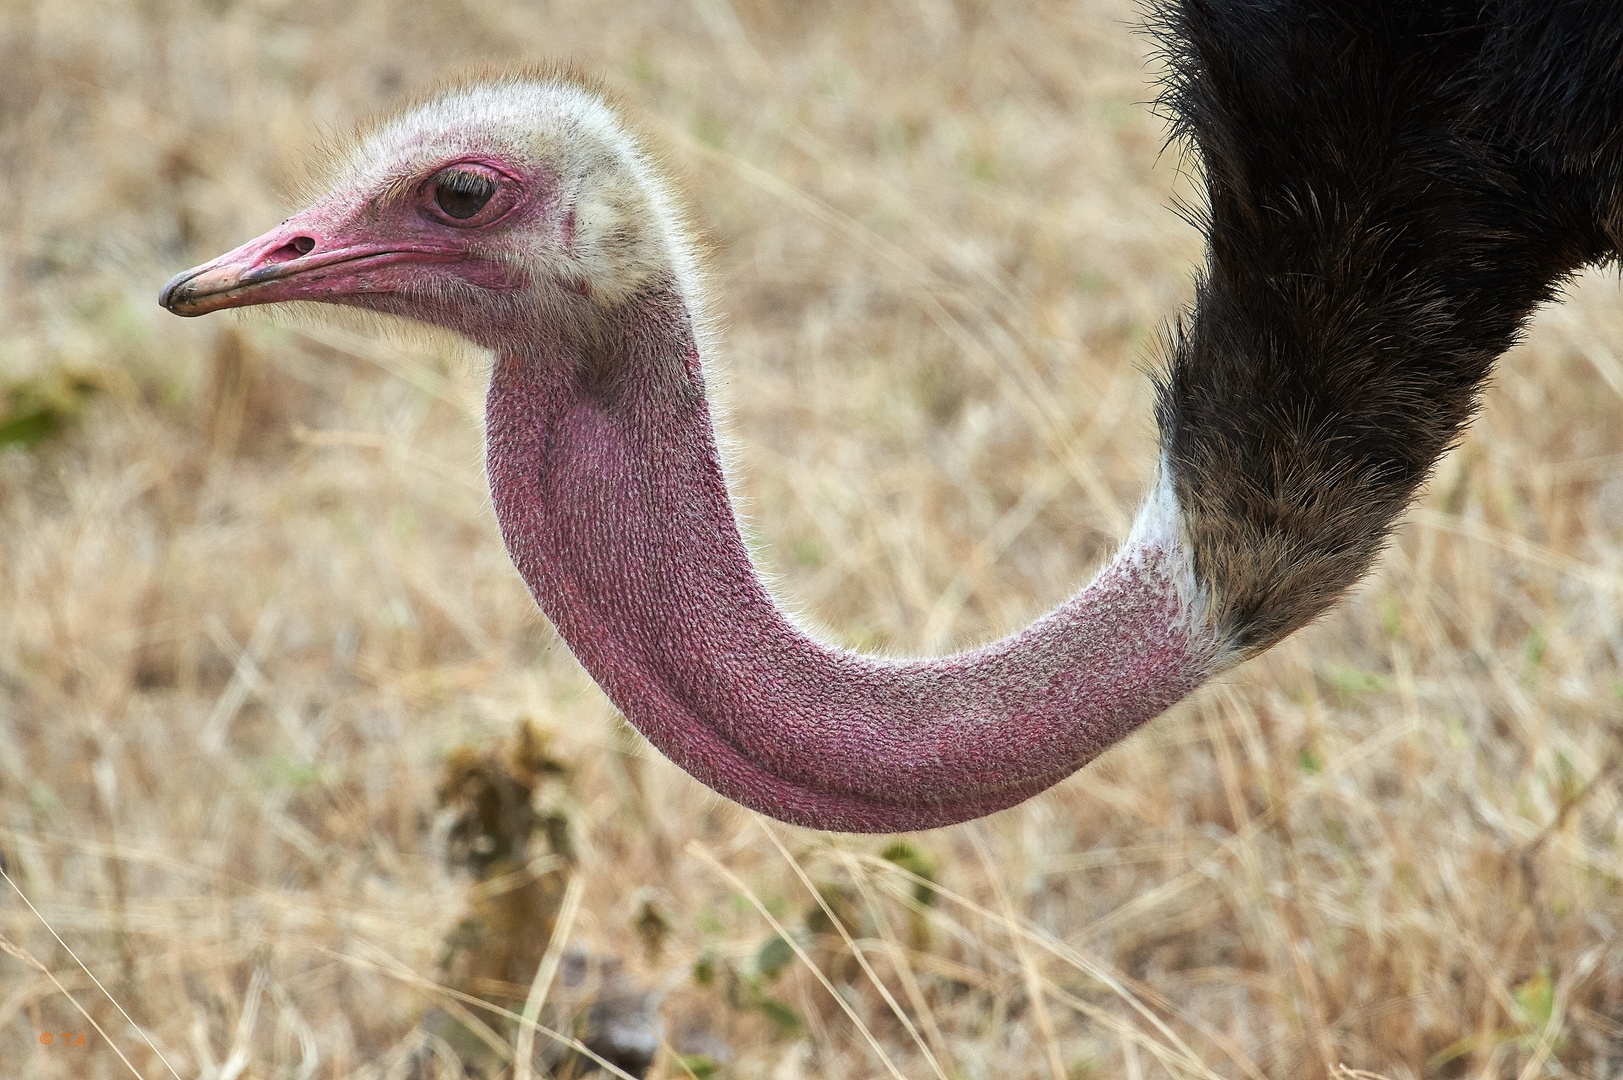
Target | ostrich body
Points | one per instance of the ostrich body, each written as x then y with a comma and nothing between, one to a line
1392,192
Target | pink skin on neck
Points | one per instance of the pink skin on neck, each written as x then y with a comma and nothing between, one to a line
614,510
606,482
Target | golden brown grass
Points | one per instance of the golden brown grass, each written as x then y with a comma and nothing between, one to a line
252,596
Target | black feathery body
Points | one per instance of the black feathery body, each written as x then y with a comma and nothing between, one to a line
1392,187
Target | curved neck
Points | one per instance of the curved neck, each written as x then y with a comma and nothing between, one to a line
611,499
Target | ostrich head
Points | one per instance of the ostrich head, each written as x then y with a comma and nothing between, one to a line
1330,357
486,211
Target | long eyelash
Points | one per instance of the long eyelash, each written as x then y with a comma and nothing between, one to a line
466,183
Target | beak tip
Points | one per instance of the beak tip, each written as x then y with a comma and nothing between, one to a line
175,294
166,296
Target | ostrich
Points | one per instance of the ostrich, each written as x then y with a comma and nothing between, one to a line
1392,189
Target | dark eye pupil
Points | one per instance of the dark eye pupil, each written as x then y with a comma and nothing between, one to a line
463,194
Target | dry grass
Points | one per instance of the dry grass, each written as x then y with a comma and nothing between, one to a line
252,596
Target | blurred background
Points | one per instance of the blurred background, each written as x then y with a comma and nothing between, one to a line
290,761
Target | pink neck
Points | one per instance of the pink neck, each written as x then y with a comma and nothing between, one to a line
613,507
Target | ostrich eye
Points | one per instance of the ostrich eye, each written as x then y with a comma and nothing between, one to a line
462,194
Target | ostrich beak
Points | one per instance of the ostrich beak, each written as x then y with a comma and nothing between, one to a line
303,258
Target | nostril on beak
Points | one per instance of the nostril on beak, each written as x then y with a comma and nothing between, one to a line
299,245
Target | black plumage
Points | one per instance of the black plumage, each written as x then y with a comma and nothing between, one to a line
1392,189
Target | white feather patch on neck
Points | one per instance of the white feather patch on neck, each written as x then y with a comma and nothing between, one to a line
1159,538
